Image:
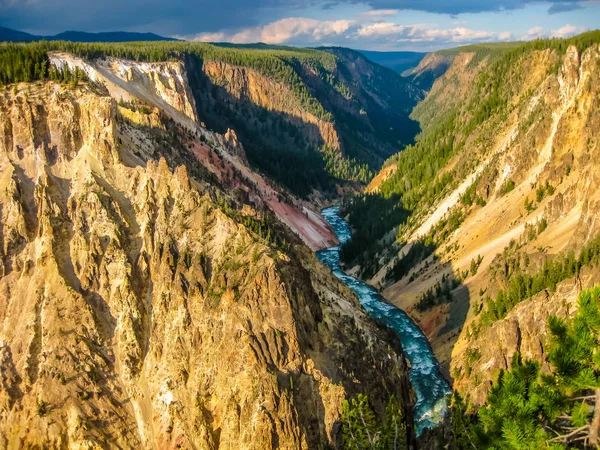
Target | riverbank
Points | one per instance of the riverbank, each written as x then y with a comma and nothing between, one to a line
430,386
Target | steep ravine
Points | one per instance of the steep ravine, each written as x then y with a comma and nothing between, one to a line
431,389
136,311
165,86
522,191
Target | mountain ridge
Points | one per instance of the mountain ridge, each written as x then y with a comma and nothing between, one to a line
321,115
435,64
497,193
10,35
398,61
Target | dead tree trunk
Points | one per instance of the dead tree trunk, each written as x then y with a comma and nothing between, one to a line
595,425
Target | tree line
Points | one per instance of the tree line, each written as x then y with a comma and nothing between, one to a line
522,286
23,61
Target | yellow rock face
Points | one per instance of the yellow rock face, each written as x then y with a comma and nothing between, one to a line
545,136
135,313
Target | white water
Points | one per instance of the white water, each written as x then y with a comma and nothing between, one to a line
430,387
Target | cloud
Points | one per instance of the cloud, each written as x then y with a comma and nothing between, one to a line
561,7
563,32
186,17
383,29
306,31
455,7
219,36
376,15
567,30
168,17
282,31
535,33
424,33
330,5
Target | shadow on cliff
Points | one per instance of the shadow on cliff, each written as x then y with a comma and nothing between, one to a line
443,300
381,112
339,353
287,147
282,145
411,273
26,193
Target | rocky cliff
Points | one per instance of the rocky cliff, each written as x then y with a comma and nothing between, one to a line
141,307
430,68
246,85
138,86
333,103
316,121
551,159
518,193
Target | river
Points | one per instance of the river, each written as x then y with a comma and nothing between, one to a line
431,388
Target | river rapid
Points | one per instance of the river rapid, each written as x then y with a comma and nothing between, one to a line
431,388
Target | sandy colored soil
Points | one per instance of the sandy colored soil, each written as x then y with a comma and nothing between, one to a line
383,175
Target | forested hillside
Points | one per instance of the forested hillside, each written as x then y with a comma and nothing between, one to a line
491,213
528,408
417,179
308,118
149,297
435,64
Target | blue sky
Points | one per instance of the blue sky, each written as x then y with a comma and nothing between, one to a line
421,25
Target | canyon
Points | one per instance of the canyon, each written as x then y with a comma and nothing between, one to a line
150,297
176,270
523,191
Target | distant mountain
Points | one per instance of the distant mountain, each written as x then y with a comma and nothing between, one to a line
6,34
435,64
397,61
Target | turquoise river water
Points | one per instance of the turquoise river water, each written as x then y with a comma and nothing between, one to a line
431,388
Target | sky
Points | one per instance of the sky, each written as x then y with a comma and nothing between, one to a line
386,25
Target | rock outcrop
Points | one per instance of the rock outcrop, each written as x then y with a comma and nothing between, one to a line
248,85
135,313
148,85
530,167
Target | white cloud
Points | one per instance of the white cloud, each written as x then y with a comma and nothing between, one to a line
376,15
425,33
382,29
384,34
535,33
282,31
566,31
208,37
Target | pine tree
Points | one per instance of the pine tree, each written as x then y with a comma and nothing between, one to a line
575,356
462,424
527,409
361,430
393,432
360,427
